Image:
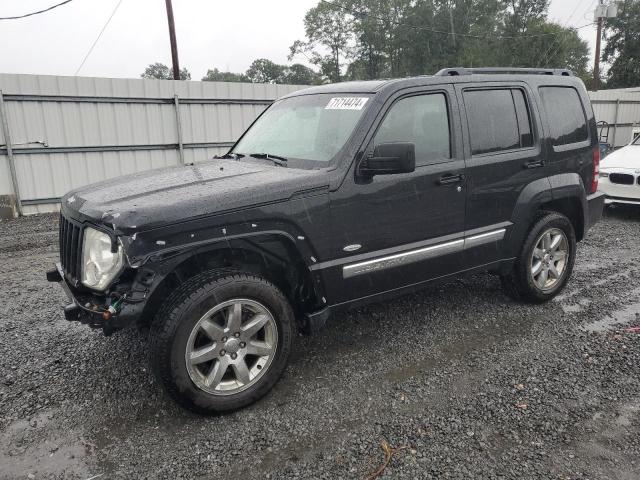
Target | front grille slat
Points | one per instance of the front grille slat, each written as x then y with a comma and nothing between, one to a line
70,242
60,236
68,253
63,241
621,178
73,266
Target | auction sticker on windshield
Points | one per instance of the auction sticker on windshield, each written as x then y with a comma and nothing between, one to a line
346,103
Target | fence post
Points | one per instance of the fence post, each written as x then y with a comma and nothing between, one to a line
176,102
615,124
12,167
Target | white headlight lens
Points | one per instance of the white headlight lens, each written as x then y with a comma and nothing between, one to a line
99,264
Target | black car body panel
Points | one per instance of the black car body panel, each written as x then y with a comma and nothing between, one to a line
339,237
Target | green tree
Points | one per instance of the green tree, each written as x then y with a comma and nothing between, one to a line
394,38
298,74
160,71
328,27
216,75
263,70
622,50
382,36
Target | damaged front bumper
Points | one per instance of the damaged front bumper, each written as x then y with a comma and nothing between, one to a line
95,310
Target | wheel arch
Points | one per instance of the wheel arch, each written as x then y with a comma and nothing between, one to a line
569,199
272,256
562,193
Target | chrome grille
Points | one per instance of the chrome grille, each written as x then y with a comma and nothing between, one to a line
621,178
70,246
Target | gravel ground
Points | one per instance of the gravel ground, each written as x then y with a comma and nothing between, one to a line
473,384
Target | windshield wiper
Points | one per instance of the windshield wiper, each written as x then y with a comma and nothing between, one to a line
235,156
277,159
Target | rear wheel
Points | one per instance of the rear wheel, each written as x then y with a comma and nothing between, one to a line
221,341
546,260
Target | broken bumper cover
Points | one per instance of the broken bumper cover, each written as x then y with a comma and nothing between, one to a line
89,308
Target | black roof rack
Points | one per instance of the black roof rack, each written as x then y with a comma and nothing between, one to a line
452,72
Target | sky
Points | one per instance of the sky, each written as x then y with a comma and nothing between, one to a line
227,34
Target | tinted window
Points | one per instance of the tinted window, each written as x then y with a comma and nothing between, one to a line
422,120
566,115
493,123
524,118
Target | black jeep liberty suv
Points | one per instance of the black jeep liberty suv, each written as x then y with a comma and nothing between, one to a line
337,195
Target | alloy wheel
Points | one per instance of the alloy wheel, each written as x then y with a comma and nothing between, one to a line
231,347
549,259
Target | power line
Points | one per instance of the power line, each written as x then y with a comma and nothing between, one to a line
443,32
578,5
98,37
557,42
17,17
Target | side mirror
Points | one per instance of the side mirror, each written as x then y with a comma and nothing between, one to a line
389,158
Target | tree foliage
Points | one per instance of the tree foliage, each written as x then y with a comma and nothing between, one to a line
263,70
216,75
362,39
160,71
328,28
622,50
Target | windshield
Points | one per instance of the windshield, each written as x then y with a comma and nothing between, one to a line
636,141
307,128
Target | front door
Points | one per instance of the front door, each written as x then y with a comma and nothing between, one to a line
402,229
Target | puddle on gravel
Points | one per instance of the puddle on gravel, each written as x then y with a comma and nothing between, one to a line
28,448
629,314
578,306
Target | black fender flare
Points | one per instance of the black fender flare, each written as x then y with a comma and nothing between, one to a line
531,198
546,191
151,269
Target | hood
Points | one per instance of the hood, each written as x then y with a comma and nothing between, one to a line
626,157
169,195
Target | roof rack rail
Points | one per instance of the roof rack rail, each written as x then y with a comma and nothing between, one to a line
452,72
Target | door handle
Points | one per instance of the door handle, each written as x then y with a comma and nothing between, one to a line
450,179
534,164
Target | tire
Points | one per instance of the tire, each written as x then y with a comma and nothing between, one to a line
193,341
526,279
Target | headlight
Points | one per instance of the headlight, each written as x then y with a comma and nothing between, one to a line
99,264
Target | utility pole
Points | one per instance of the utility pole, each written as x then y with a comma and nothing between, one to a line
596,66
602,11
172,39
453,30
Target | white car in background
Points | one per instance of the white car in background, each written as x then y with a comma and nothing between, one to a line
620,175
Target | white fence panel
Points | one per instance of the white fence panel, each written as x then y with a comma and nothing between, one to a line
620,108
67,132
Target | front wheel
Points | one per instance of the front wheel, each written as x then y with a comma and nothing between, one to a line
221,341
546,260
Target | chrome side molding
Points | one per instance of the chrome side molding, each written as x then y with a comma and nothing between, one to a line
481,239
402,258
417,255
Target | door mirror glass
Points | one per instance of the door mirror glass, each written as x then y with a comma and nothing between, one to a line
390,158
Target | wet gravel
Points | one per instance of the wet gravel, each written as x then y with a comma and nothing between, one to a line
473,384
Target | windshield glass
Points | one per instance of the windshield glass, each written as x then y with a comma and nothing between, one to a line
307,128
636,141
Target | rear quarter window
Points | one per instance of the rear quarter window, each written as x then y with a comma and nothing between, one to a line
566,115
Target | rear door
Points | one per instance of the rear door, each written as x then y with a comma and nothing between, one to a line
504,156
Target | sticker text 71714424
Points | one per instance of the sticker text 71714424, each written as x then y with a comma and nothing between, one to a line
346,103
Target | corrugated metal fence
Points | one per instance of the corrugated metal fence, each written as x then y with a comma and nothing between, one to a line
65,132
621,110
